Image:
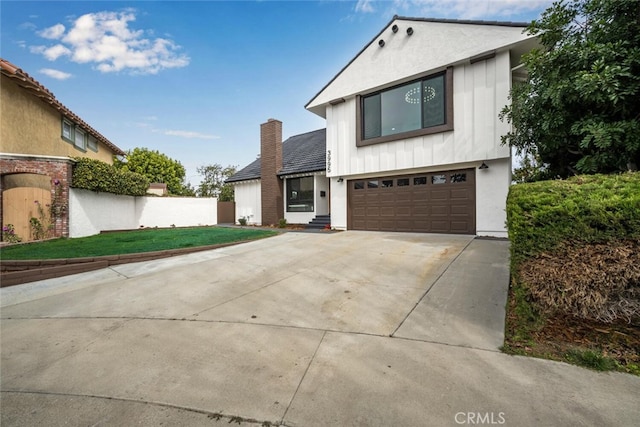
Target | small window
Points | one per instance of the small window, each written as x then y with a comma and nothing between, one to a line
403,182
67,130
358,185
420,180
387,183
92,143
79,140
372,184
458,177
438,179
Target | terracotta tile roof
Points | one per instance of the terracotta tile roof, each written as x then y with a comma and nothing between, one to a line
36,89
300,154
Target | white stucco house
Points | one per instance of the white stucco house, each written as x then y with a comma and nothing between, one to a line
413,138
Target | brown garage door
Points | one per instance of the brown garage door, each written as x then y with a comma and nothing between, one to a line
436,202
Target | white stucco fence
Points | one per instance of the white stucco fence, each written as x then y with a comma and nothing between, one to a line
91,212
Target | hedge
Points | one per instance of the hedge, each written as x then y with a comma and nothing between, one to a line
575,245
90,174
583,209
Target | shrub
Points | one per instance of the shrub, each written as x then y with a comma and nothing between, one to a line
90,174
9,234
282,223
574,245
243,220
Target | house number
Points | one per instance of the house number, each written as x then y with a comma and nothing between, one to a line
328,161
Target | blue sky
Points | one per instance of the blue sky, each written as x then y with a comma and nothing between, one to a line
195,79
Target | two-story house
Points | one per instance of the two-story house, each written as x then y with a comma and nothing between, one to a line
40,136
413,136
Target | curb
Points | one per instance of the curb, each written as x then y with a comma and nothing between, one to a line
19,272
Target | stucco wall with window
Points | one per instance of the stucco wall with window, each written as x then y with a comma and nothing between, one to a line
29,126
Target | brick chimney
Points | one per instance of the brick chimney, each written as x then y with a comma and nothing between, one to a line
270,165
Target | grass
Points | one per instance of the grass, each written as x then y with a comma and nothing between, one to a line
129,242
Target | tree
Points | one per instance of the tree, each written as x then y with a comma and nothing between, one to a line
578,110
213,185
157,167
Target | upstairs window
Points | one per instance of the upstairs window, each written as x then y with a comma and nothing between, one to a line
79,140
412,109
67,131
92,143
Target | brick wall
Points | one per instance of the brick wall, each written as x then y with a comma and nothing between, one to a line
270,164
58,170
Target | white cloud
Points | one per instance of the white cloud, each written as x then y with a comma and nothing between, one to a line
106,40
365,6
53,33
51,53
189,134
55,74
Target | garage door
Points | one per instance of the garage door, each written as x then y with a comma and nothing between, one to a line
436,202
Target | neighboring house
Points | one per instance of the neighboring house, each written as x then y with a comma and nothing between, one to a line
413,137
39,138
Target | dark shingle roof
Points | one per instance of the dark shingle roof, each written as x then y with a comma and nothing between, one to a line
300,154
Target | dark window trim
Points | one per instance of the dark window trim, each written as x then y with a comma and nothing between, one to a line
447,126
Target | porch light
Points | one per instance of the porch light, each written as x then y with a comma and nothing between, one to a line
340,179
483,166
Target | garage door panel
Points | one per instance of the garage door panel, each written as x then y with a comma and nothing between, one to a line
387,211
437,202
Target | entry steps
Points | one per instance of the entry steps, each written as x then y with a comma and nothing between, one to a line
320,222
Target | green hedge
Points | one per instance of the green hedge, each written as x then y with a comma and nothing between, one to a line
542,216
90,174
574,247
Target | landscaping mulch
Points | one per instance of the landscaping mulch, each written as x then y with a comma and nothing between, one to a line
555,337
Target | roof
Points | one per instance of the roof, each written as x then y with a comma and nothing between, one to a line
414,19
36,89
302,153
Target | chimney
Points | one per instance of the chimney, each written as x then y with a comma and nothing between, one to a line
270,165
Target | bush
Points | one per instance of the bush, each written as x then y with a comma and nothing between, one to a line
574,245
90,174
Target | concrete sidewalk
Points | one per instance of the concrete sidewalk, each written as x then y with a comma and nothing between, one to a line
351,328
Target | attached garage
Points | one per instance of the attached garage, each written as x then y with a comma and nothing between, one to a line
435,202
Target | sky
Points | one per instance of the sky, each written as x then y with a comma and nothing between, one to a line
195,79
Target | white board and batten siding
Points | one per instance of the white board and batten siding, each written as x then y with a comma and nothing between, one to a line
480,91
248,201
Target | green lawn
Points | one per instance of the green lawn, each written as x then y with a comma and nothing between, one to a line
128,242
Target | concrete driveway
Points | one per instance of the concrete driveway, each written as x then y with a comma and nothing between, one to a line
302,329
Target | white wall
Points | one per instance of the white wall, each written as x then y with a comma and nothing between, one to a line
91,212
338,204
481,90
492,188
178,211
248,201
433,46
